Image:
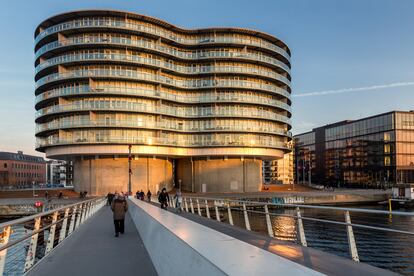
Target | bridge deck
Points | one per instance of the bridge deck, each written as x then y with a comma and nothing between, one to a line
93,250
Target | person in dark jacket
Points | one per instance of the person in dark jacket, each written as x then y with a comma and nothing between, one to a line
149,195
163,199
119,208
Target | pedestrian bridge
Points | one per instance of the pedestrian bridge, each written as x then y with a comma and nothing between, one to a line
79,240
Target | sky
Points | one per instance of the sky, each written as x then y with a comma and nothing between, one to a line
350,59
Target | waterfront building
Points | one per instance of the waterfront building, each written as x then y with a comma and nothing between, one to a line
200,108
279,171
59,172
377,151
21,170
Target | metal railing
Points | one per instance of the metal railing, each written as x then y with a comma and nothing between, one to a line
213,207
25,241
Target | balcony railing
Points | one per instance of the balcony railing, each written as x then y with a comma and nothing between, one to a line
188,112
155,30
178,127
162,64
143,44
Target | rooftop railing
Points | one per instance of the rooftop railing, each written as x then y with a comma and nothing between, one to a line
26,241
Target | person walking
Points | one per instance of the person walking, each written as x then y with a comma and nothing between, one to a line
149,195
163,199
119,208
178,201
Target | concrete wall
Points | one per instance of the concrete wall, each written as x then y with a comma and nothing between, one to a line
219,175
103,175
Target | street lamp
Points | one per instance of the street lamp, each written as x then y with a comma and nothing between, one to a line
129,170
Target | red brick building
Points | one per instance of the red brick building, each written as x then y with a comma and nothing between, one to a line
18,169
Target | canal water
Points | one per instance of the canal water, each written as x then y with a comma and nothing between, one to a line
386,250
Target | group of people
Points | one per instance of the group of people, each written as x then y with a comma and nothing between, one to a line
164,198
119,205
141,195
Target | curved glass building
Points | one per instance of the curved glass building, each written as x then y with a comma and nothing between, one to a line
201,108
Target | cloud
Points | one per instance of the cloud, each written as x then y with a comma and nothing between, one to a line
346,90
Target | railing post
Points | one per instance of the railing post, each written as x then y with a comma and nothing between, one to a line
246,217
198,207
79,216
230,216
51,238
5,239
191,205
353,251
173,203
31,253
72,221
268,222
64,225
301,231
207,209
217,211
186,205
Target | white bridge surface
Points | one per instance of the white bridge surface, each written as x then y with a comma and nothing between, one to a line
178,246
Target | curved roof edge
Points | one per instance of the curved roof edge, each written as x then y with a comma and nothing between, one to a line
53,20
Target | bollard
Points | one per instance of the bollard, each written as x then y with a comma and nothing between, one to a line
6,235
230,216
301,231
246,217
198,207
268,222
207,209
64,225
31,253
353,251
51,238
186,205
217,211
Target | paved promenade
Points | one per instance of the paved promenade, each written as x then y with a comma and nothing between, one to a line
93,250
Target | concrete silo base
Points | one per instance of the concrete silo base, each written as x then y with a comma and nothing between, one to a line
233,175
98,176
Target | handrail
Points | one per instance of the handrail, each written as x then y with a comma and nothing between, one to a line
69,217
360,210
28,218
301,237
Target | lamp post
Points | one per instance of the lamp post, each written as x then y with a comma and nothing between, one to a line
129,169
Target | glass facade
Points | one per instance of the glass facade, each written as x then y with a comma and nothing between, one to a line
371,152
110,78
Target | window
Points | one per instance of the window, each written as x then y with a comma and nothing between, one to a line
5,165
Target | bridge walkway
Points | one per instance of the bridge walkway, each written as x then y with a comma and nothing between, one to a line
93,250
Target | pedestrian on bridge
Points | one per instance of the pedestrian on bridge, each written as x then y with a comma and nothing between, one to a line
149,195
119,208
178,200
163,198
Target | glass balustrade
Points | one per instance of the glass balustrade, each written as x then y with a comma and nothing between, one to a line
207,97
184,112
164,125
193,55
222,141
185,40
186,84
162,64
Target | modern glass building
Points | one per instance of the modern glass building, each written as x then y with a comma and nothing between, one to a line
201,108
371,152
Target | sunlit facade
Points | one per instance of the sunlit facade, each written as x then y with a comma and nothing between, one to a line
196,105
371,152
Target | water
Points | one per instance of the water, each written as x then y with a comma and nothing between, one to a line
390,251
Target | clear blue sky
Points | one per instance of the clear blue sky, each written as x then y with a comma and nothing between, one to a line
335,45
